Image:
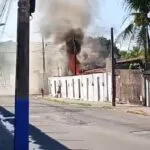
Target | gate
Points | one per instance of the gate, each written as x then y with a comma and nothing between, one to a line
129,86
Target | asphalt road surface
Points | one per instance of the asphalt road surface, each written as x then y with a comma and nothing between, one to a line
55,126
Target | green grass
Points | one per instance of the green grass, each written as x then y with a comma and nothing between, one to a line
107,107
70,103
80,103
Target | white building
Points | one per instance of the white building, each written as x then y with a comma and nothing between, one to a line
8,66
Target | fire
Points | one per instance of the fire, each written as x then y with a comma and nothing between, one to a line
74,40
72,60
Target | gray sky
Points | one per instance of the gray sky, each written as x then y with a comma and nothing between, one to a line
109,13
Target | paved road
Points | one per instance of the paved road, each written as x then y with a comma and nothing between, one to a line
63,127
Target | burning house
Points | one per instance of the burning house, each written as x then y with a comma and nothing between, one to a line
74,40
67,27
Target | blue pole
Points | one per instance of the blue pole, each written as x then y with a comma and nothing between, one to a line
22,78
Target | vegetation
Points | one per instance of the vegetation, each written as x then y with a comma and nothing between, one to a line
136,30
95,51
106,47
135,53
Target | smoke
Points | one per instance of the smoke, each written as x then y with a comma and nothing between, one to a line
56,60
61,16
92,54
74,40
67,22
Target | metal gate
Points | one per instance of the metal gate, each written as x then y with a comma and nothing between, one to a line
129,86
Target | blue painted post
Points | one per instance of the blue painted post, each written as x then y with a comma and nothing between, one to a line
22,78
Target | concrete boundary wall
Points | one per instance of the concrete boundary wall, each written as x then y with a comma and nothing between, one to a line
93,87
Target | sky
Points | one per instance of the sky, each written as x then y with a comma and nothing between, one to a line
107,14
112,14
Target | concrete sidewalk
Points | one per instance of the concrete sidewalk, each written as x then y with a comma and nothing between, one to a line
128,108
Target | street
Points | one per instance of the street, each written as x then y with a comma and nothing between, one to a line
56,126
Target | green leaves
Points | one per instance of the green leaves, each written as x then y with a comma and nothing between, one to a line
129,30
106,46
135,53
138,5
136,30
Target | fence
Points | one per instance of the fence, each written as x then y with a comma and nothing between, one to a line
93,87
130,86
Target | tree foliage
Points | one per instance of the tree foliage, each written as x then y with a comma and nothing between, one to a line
138,5
136,52
106,47
94,52
136,30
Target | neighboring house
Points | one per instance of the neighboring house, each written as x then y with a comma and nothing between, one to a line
8,66
126,64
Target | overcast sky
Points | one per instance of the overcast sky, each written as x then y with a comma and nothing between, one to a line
109,13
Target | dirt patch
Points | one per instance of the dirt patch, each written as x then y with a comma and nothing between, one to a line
138,112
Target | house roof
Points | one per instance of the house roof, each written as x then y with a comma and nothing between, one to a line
97,70
130,60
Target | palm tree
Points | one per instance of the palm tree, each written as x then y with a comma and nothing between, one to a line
138,5
136,53
137,28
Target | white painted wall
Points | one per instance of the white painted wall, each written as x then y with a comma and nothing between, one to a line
93,87
7,81
8,66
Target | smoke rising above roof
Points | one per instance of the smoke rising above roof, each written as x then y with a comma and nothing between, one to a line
60,16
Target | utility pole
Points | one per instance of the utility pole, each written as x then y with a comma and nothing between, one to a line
58,71
146,49
22,78
43,51
113,69
75,58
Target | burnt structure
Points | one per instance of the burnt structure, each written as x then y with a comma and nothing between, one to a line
74,40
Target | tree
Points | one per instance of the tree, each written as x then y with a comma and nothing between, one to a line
106,46
95,51
136,52
138,5
124,54
136,30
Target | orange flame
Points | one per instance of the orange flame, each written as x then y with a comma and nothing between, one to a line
71,64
